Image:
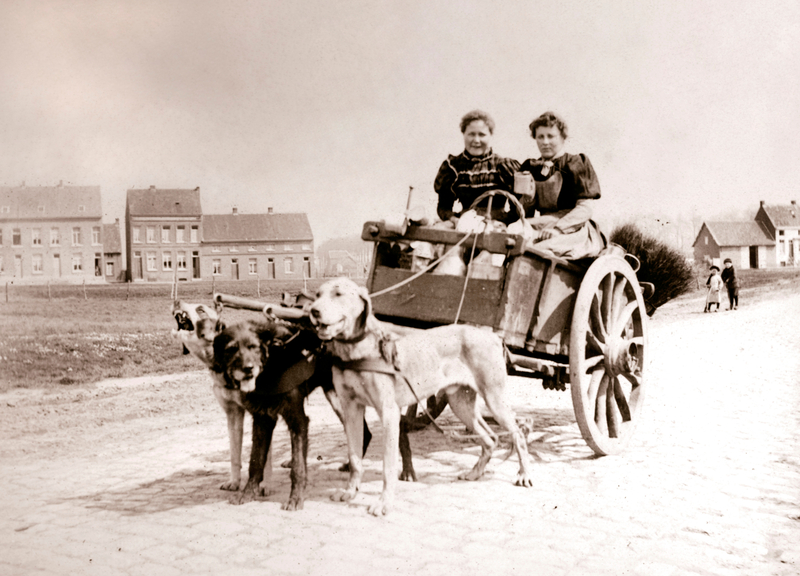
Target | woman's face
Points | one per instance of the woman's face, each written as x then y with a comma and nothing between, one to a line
477,138
549,141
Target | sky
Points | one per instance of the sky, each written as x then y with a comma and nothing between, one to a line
686,108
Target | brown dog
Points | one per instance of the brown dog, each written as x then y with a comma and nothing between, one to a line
267,369
198,325
463,361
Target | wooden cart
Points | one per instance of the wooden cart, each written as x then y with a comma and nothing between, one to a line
581,324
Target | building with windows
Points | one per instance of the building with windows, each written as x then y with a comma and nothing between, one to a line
112,253
771,239
51,233
265,246
163,233
782,222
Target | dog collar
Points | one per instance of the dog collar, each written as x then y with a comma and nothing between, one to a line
367,365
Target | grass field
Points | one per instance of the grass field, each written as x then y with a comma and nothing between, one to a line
111,332
116,331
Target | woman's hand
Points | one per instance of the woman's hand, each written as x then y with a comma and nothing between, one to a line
546,234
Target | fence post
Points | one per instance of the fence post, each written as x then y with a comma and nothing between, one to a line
128,291
84,289
258,286
48,290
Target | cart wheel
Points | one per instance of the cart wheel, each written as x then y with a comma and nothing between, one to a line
608,337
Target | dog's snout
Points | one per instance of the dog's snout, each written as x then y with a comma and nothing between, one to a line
314,312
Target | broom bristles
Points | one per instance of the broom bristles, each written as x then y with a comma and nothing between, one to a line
665,267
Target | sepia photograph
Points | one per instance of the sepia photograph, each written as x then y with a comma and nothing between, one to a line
464,287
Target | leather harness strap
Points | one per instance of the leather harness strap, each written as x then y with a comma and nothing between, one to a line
381,366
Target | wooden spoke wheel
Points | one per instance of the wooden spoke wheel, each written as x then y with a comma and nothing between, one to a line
608,338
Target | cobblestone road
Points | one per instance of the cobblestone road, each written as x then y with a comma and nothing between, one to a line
710,486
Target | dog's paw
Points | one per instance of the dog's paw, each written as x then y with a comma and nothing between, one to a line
230,486
472,475
293,504
251,492
407,476
523,480
381,508
343,495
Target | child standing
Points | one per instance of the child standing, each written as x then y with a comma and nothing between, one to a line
731,283
714,284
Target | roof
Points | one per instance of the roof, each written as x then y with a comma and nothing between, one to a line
112,243
783,216
50,202
164,202
256,227
738,234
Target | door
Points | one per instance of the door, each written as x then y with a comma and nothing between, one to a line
17,266
195,265
56,264
137,266
235,268
753,256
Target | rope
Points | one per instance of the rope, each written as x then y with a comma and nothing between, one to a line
466,281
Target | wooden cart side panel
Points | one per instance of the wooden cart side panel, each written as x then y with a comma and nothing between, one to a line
550,330
435,297
522,288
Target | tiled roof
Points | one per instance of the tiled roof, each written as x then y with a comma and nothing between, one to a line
784,216
112,243
49,202
739,234
256,227
164,202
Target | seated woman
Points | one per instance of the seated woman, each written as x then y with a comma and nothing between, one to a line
566,186
475,171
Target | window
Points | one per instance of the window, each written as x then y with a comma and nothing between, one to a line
233,249
55,237
151,235
306,247
5,210
288,266
252,266
780,232
166,261
36,237
193,235
288,247
215,248
251,249
95,235
706,239
36,262
137,235
98,262
16,237
151,261
40,209
165,234
216,266
270,267
181,260
270,247
77,263
81,208
109,268
306,267
179,234
76,236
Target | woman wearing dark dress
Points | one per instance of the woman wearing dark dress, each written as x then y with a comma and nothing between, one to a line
476,170
566,187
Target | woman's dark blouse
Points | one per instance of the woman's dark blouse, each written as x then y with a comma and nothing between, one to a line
579,178
465,177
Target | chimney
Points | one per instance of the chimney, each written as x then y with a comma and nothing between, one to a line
761,203
116,221
60,183
235,210
152,187
269,210
794,203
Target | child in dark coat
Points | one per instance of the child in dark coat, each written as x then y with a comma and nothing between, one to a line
731,283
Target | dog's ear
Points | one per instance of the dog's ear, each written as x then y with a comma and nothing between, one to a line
364,295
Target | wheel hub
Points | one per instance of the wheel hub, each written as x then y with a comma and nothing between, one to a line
621,356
